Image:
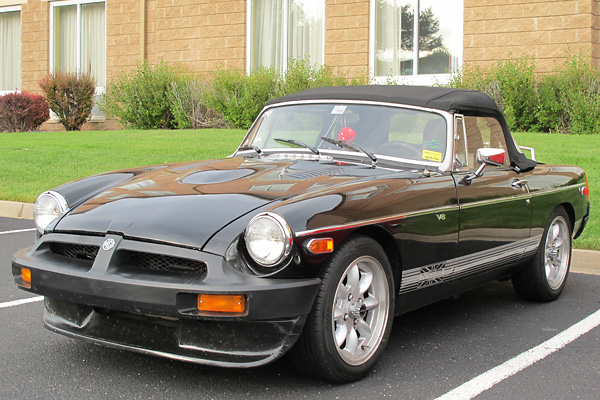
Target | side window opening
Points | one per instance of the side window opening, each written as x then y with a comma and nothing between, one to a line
483,132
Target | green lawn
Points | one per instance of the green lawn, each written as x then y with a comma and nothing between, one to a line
36,161
33,162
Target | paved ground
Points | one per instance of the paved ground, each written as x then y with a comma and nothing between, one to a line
431,352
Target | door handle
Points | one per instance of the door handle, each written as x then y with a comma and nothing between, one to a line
519,183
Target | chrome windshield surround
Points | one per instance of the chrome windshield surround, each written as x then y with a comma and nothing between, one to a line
445,165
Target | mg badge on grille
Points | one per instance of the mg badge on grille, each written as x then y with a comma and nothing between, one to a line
108,244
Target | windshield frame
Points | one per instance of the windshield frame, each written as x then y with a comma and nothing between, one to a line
360,157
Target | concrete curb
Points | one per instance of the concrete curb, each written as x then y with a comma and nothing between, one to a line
15,209
584,261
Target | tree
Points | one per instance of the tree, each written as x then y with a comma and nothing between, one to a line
429,26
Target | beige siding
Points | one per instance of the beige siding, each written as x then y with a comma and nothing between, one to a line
545,29
347,35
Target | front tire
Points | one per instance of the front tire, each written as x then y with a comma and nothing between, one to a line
545,278
349,325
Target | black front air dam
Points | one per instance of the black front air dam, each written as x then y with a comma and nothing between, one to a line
221,343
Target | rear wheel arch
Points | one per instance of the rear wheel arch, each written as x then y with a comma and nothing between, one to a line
570,210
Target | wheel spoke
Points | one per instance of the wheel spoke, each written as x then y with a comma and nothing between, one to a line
366,278
353,279
338,311
370,303
364,329
555,232
352,342
341,331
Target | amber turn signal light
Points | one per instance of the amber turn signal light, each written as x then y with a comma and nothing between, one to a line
222,303
26,277
319,246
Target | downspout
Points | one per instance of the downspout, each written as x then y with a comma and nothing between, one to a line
143,30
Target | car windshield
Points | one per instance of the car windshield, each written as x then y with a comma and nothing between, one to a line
387,132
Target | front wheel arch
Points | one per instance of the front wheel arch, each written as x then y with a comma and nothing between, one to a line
348,327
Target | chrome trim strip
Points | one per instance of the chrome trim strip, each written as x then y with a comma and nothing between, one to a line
560,189
465,266
357,224
495,201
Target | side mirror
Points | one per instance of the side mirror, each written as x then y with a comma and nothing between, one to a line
490,156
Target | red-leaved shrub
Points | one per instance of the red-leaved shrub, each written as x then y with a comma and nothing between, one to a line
70,96
22,112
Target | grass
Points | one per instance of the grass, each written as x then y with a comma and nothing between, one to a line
33,162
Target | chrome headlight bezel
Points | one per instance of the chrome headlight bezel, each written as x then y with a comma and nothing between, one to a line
280,245
48,206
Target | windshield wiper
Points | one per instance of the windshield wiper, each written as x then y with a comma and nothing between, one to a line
250,147
298,143
351,146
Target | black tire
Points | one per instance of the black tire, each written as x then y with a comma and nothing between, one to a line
342,317
545,278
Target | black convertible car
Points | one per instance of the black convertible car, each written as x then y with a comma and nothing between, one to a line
342,208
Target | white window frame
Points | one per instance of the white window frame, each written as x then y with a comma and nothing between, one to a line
13,9
96,113
77,3
286,12
415,78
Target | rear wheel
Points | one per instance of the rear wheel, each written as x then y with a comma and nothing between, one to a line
545,278
350,322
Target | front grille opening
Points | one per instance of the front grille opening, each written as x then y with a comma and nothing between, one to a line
77,251
162,263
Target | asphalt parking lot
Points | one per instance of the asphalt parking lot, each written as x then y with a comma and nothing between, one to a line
431,352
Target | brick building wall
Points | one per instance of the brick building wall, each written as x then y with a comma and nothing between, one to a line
35,43
200,34
347,35
545,29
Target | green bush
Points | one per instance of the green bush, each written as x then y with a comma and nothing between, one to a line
70,96
140,99
239,97
569,100
566,101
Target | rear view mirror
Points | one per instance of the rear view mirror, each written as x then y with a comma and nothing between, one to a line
491,156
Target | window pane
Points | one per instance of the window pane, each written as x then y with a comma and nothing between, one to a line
393,37
483,132
305,39
65,38
10,50
267,34
93,46
440,37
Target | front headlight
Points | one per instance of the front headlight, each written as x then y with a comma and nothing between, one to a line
49,206
268,239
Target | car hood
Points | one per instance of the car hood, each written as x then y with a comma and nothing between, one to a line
186,204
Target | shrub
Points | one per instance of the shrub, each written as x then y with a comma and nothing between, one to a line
239,97
141,98
70,97
188,106
569,100
22,112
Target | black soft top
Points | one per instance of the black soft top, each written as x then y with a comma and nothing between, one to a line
468,102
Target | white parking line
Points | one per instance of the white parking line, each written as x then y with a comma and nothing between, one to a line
20,302
488,379
17,231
